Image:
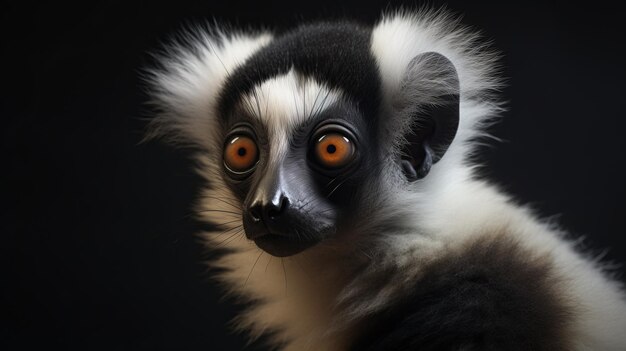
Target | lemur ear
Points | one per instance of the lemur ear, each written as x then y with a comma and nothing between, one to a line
429,104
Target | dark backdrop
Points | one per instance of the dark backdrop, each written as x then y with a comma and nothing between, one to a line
98,249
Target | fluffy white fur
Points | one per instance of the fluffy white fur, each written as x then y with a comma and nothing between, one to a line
311,301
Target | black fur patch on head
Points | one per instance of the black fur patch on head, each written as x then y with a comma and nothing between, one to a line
337,54
494,295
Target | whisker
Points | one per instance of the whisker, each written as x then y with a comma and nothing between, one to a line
252,270
221,196
235,238
222,211
230,230
218,57
285,273
311,200
268,262
249,108
229,238
319,91
331,182
295,101
366,255
303,101
222,200
298,235
267,102
319,108
337,187
258,105
225,223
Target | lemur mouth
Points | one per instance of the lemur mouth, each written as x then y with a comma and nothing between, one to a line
283,246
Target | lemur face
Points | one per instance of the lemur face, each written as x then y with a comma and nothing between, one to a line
299,144
298,166
303,124
314,133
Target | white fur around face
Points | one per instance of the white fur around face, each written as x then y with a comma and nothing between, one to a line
298,297
186,90
400,37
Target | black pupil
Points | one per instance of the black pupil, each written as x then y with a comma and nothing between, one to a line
331,149
242,151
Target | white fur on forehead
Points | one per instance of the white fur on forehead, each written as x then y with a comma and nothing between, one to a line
186,88
284,102
289,99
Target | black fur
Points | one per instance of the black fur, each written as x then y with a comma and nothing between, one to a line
492,296
337,54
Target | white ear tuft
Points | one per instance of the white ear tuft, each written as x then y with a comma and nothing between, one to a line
185,90
402,36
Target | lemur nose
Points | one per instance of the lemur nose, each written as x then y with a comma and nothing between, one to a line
269,211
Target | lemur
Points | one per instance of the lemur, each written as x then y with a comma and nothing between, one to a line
341,183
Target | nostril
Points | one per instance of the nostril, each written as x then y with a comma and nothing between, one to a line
273,213
255,212
267,211
275,210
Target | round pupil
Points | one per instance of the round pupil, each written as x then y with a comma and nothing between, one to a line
331,149
241,151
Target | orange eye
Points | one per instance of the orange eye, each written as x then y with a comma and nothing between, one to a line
240,154
334,150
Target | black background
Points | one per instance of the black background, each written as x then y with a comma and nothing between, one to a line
98,248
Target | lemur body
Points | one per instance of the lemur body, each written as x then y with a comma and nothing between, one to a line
381,238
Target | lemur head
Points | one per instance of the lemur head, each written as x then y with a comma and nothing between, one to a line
307,135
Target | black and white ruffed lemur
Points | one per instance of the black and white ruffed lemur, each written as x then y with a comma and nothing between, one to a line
340,182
